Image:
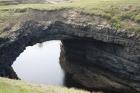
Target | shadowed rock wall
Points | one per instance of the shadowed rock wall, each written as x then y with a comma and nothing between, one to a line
98,65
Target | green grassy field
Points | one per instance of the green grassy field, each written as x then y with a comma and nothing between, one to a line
15,86
119,13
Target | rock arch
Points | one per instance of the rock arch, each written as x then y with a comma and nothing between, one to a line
107,57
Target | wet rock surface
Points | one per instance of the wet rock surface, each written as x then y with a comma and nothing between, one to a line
96,57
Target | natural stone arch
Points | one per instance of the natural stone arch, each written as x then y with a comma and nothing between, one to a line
96,53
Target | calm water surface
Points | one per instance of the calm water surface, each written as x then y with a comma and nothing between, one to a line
40,64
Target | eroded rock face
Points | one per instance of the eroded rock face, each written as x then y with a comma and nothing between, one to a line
97,57
7,71
98,65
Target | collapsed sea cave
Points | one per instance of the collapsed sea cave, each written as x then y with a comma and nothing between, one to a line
93,57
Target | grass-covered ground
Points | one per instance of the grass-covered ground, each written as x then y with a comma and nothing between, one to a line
15,86
119,13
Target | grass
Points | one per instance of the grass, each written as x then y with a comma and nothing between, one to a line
15,86
123,14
